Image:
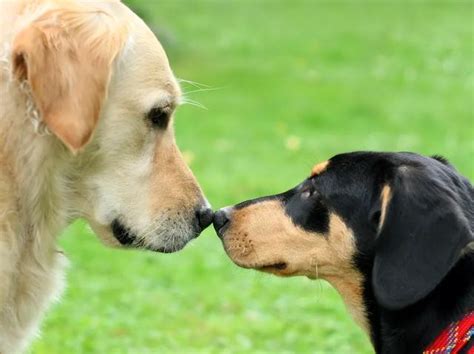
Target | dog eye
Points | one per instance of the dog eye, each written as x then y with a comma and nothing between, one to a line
159,117
307,193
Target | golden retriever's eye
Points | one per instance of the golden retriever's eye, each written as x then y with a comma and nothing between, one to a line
159,117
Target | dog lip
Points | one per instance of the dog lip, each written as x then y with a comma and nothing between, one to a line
122,233
220,231
274,266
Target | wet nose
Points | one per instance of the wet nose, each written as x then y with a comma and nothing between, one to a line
221,220
204,217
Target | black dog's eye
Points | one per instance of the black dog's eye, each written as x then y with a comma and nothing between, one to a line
307,193
159,117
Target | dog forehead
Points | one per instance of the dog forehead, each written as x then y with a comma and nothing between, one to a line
143,64
319,168
141,85
143,60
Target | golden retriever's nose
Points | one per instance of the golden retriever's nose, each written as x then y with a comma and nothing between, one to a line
204,217
221,220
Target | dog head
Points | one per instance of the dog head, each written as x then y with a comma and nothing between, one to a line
103,87
394,222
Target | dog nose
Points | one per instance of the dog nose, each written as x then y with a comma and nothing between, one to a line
221,220
204,217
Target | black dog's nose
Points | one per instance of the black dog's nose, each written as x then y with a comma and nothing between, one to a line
221,220
204,217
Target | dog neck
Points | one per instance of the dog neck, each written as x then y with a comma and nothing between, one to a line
349,287
32,166
412,329
33,210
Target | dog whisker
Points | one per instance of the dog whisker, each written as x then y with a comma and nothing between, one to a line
186,100
150,230
203,90
319,286
193,83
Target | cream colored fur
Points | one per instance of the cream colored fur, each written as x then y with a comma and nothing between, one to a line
103,162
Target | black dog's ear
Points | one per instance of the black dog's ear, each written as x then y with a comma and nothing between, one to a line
421,235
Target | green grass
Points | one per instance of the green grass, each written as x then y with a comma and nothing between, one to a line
295,82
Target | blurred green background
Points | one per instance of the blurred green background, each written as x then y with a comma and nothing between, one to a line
285,84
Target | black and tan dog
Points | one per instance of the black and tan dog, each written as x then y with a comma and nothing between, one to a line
392,232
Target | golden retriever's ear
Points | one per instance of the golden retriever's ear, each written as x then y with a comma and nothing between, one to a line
66,56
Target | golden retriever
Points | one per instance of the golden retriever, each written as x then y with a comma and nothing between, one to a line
86,130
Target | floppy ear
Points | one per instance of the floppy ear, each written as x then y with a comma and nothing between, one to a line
421,236
66,56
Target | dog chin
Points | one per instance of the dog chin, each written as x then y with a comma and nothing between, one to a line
178,246
163,242
169,247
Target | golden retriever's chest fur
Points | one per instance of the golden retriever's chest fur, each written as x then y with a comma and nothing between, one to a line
29,277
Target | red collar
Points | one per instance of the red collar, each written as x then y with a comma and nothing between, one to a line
453,338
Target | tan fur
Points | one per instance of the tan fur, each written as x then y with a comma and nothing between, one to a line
80,76
262,235
385,197
319,168
66,54
170,167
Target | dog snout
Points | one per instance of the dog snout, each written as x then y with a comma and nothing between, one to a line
204,217
221,220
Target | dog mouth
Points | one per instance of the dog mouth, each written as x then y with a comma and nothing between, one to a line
220,231
273,267
281,269
221,228
277,268
127,238
123,234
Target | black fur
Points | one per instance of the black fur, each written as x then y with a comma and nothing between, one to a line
441,159
418,270
418,267
310,213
